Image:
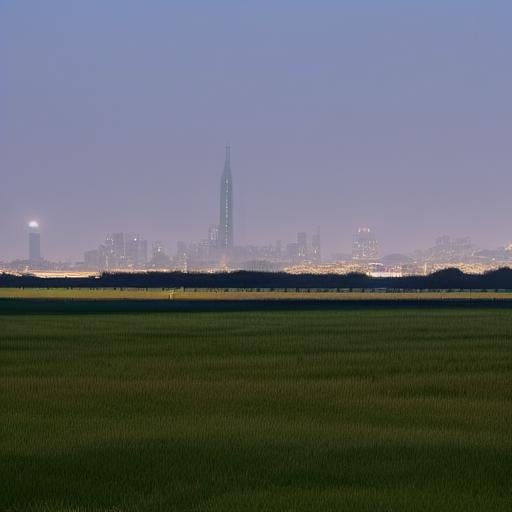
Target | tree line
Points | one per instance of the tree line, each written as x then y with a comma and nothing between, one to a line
450,278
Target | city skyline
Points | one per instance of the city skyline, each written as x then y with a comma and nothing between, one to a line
336,122
127,251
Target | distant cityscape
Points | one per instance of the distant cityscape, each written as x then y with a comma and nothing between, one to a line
218,252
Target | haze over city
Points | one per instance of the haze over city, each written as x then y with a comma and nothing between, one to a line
114,117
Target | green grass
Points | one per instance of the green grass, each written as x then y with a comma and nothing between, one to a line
357,410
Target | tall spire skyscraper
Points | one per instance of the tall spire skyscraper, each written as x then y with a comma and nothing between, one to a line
226,206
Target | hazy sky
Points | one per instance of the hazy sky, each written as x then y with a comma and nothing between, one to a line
395,114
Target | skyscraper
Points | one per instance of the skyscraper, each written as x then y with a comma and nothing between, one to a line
115,250
226,206
316,254
365,246
34,243
213,235
302,246
136,251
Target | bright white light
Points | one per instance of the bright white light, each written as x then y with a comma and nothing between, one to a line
33,224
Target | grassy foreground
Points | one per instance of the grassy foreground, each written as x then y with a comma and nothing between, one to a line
356,410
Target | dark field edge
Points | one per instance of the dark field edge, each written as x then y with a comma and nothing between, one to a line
77,306
450,278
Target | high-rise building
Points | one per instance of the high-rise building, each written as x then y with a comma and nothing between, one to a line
157,249
226,206
34,243
182,256
302,246
365,245
452,250
160,260
213,235
292,252
136,251
213,242
115,251
316,253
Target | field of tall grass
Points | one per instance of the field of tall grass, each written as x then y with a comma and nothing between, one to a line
358,410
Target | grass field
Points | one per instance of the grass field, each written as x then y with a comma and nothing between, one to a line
234,295
84,293
373,410
339,296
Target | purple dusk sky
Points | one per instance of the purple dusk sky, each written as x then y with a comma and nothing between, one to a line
114,117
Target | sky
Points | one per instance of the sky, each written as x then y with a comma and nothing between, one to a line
395,115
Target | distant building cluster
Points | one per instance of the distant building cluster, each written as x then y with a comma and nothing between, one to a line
119,251
452,250
207,255
218,251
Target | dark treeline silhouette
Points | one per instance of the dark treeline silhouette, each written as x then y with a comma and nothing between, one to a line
445,279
